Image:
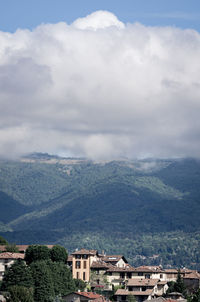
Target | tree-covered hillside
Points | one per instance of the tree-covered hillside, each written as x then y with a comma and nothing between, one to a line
149,209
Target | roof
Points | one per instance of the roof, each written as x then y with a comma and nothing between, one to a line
89,295
193,275
113,258
70,258
124,292
127,268
8,255
149,269
142,282
170,300
175,270
85,252
162,282
100,264
177,294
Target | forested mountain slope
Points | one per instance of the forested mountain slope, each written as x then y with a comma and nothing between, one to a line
110,205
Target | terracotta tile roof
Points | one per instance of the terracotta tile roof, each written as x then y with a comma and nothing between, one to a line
85,252
8,255
175,271
193,275
127,268
124,292
149,269
171,270
100,264
142,282
89,295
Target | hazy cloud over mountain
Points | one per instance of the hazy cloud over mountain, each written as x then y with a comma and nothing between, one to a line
100,88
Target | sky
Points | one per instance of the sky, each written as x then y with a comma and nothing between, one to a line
100,79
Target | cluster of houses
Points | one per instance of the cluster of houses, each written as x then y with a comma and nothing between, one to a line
110,272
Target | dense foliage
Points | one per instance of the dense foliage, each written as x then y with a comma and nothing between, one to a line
18,293
151,206
58,254
42,279
37,253
17,274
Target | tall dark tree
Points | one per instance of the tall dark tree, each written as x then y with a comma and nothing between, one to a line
179,285
43,282
62,278
37,253
19,274
59,254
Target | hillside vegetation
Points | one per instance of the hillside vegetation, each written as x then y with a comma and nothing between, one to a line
148,210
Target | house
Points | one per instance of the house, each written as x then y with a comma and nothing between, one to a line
172,273
84,297
81,263
150,272
142,289
123,294
192,282
116,260
118,275
7,259
98,275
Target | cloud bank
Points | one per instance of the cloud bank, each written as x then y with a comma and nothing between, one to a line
101,89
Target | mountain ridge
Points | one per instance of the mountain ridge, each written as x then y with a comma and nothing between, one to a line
70,198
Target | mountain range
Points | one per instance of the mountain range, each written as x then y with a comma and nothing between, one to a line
148,210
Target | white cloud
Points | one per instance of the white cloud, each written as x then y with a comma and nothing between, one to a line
100,88
98,20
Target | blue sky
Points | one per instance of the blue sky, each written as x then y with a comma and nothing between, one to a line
31,13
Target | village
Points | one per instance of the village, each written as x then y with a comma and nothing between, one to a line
107,274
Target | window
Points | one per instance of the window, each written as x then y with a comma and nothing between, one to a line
77,275
147,276
124,298
78,256
84,276
143,288
129,275
140,274
78,264
85,264
161,276
110,273
85,256
122,275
